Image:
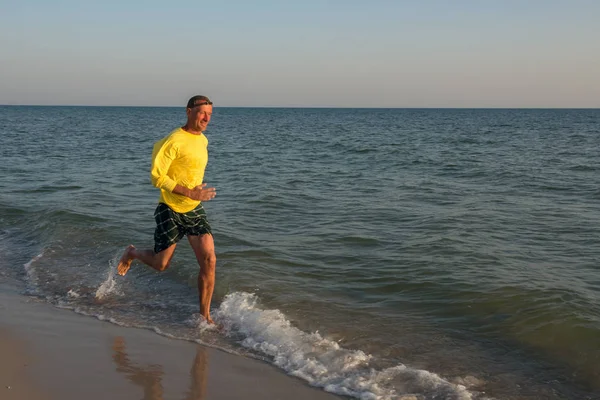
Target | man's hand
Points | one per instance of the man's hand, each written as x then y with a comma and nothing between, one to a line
202,193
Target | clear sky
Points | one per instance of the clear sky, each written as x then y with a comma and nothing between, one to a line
339,53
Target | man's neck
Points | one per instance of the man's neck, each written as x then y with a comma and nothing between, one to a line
193,132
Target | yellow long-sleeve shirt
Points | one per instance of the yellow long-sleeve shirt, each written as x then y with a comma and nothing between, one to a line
179,158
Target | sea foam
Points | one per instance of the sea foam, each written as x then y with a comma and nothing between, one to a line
322,362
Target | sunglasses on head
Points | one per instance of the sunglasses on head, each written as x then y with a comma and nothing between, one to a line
204,103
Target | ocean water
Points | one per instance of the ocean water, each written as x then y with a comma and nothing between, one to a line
375,253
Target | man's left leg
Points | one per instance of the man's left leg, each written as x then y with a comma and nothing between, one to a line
204,248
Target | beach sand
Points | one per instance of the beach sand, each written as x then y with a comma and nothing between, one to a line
49,353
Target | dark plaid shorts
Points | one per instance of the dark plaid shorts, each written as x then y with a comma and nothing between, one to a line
171,226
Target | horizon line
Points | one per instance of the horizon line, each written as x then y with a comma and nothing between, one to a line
319,107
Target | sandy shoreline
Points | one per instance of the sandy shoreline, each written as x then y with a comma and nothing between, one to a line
48,353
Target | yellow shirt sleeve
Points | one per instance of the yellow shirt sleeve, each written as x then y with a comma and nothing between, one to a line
163,154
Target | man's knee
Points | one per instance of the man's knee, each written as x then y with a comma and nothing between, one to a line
163,265
208,264
209,258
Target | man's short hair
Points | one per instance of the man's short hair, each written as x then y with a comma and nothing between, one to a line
198,100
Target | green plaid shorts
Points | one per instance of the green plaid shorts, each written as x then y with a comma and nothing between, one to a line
172,226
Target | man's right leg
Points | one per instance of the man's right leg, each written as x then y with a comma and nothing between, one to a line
159,261
166,235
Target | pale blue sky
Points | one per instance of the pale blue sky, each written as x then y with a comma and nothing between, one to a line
476,53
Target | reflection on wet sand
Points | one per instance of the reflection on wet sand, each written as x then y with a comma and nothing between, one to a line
149,377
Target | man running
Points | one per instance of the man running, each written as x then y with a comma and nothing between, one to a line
178,163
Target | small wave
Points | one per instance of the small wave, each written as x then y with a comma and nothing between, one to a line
585,168
365,150
48,189
360,240
102,317
322,362
200,326
30,270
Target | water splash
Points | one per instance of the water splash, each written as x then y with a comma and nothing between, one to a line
109,286
198,322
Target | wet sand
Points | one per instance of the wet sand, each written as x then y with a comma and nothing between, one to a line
48,353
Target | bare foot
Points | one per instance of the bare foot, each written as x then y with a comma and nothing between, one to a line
125,261
217,325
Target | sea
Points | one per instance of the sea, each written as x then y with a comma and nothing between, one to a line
374,253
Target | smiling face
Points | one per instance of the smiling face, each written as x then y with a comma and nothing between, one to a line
198,118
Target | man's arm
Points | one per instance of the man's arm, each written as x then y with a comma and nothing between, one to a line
200,193
163,154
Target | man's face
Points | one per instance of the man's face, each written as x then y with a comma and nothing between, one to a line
199,117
